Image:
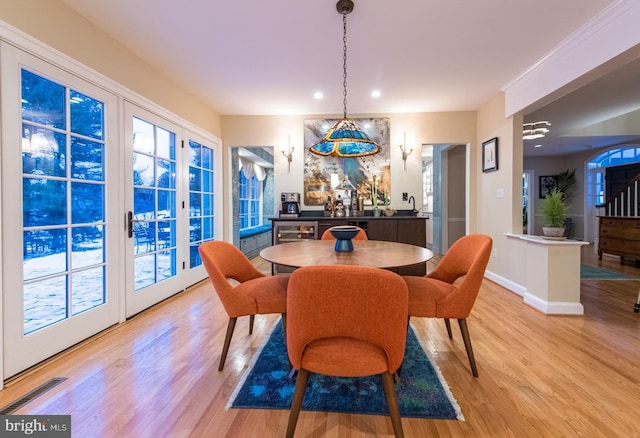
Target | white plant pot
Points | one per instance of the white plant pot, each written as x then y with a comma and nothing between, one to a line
556,232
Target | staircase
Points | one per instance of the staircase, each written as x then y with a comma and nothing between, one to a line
623,203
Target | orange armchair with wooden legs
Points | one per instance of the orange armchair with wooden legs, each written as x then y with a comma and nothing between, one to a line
436,295
255,293
362,235
346,321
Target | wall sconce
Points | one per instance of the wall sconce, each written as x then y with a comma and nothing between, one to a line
288,153
403,148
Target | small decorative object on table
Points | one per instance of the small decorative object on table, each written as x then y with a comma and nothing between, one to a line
343,235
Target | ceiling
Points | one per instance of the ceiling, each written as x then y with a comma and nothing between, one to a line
603,113
259,57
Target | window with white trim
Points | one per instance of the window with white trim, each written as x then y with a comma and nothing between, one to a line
250,195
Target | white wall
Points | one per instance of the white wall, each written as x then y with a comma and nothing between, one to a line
498,194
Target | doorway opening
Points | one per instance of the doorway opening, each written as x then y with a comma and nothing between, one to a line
444,193
253,199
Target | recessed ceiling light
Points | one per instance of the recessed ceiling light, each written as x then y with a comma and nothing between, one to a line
318,95
376,93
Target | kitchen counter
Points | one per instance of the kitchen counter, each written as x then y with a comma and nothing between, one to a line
368,214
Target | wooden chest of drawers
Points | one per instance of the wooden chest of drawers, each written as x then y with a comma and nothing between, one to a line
619,236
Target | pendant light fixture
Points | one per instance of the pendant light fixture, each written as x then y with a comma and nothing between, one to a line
345,139
535,130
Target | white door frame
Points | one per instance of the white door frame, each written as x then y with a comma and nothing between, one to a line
20,351
138,300
194,275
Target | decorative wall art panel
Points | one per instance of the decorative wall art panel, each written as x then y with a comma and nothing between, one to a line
352,172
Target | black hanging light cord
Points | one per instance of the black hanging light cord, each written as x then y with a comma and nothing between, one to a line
344,7
344,64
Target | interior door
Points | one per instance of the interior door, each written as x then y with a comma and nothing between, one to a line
60,226
154,219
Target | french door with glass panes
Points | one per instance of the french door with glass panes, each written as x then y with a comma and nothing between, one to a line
155,218
201,157
60,222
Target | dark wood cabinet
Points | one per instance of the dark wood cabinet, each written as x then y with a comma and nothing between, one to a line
325,224
383,229
413,232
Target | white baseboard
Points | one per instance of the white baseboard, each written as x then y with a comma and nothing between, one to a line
506,283
554,308
550,308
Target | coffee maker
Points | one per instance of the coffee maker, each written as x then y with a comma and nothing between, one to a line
290,204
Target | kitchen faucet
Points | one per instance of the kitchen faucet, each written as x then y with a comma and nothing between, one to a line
413,204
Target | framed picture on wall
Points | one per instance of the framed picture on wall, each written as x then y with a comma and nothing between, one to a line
352,172
547,184
490,155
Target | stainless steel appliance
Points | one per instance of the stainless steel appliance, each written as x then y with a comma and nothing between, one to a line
290,204
292,231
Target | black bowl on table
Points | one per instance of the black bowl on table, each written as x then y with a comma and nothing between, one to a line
343,235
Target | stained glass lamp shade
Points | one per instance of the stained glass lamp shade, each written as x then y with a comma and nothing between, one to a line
345,140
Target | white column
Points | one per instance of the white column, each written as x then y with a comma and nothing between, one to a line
552,274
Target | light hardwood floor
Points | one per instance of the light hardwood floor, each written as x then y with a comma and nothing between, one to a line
540,376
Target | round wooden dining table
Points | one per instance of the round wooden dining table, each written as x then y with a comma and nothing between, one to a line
371,253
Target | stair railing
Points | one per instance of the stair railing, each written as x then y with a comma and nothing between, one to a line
625,202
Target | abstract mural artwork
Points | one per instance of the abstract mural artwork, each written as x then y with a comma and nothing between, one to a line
352,172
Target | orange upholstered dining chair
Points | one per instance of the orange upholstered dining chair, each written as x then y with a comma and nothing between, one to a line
362,235
438,295
253,294
346,321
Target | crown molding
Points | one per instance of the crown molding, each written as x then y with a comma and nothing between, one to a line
607,41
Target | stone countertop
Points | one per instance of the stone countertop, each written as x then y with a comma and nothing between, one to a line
307,215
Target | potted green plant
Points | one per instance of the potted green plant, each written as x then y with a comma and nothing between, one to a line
554,211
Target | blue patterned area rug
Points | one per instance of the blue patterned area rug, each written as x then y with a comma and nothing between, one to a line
422,391
593,273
